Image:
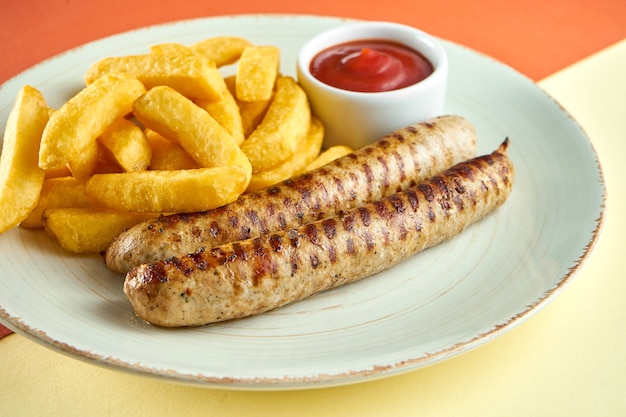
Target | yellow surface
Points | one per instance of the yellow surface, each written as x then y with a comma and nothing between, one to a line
568,360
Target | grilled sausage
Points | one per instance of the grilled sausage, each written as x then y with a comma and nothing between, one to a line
395,162
256,275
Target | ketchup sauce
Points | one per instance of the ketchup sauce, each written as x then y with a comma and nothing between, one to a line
370,65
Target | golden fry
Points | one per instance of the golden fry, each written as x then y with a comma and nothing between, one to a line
88,230
297,164
251,113
169,113
107,164
167,155
59,192
84,165
223,50
21,178
329,155
257,70
64,171
180,191
225,111
285,124
128,145
170,49
191,75
85,116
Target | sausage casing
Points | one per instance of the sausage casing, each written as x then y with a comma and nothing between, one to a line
399,160
256,275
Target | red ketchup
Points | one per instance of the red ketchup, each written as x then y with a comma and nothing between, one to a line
370,65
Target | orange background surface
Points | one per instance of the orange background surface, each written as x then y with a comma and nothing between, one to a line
537,37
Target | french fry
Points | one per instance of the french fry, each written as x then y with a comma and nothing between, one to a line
329,155
128,145
107,164
59,192
192,75
85,116
286,122
225,111
63,171
257,70
223,50
171,48
251,113
172,115
297,164
84,165
167,155
88,230
180,191
21,179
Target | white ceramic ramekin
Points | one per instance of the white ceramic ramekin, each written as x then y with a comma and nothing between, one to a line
358,118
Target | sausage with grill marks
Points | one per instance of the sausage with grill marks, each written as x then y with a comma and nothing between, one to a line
393,163
256,275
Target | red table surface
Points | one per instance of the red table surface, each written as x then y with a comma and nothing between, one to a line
536,37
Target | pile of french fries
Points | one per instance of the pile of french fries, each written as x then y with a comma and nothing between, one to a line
158,133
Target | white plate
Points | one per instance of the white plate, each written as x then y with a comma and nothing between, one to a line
440,303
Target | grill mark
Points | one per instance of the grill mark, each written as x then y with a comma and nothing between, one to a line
270,209
385,235
276,243
369,240
223,257
282,221
412,129
322,196
263,265
257,221
427,191
442,186
403,230
305,195
154,275
348,219
385,172
330,228
398,203
369,178
338,185
198,263
315,262
401,168
431,214
381,210
233,221
311,233
239,252
273,190
214,229
294,238
411,197
350,247
294,255
365,216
